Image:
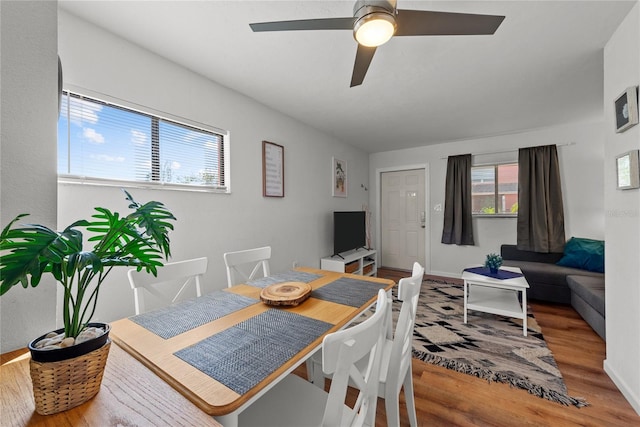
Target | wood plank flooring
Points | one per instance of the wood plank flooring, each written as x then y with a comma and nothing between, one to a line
447,398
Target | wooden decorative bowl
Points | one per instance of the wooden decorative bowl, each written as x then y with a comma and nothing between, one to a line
285,294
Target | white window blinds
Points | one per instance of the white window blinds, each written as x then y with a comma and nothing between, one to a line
101,140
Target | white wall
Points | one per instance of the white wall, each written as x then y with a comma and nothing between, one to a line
298,227
622,221
581,169
28,112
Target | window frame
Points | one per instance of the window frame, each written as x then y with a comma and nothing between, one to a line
496,193
157,116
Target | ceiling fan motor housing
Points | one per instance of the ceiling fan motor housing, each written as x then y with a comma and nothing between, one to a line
386,5
365,11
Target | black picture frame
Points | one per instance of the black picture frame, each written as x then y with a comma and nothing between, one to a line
626,109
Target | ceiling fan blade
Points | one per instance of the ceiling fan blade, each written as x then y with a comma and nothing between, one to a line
429,23
305,24
364,55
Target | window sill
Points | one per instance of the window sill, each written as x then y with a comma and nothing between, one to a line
77,180
494,215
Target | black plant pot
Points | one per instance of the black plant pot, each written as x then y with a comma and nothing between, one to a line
65,353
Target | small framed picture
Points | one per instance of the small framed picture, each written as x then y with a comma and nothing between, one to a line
627,170
272,169
339,172
626,106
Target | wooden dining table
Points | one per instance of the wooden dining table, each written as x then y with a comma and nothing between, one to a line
130,395
223,350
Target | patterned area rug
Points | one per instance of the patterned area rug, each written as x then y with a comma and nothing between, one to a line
488,346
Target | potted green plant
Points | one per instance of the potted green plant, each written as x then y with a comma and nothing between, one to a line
139,239
493,262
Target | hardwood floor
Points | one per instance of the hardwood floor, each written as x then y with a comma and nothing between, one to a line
447,398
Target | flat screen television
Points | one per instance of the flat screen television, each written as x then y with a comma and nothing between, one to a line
349,231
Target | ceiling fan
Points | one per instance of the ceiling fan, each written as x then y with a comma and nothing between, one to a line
374,22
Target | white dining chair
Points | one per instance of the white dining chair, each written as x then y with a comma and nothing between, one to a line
296,402
239,262
162,288
395,372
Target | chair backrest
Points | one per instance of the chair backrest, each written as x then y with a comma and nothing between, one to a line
340,352
400,357
171,276
239,262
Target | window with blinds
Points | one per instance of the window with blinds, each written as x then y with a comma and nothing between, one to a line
97,139
494,190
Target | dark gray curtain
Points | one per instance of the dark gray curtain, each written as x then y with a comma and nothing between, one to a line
540,209
458,227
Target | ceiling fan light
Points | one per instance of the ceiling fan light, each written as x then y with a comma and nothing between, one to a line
374,29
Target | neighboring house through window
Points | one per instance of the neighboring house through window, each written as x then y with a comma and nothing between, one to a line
494,189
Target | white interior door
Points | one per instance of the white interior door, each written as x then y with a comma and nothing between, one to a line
403,218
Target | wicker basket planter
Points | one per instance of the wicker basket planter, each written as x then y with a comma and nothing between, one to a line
63,384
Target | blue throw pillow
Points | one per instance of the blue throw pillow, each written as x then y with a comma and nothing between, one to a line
587,254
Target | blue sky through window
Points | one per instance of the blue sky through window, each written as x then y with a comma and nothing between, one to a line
103,141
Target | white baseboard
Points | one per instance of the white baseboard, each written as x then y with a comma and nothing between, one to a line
622,386
444,274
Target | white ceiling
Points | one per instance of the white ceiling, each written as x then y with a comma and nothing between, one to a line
542,67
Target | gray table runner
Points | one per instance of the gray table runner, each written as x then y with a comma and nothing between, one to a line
351,292
287,276
245,354
181,317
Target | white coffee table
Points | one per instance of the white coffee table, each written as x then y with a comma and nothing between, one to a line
496,296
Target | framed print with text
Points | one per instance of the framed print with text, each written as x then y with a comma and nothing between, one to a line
272,169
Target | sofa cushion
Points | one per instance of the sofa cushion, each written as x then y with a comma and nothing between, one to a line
587,254
513,253
539,272
590,289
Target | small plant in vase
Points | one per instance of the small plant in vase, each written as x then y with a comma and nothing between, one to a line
140,240
493,262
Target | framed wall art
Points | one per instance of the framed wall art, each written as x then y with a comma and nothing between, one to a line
272,169
627,170
626,106
339,177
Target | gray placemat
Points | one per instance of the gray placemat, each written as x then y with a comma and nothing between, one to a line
351,292
287,276
245,354
181,317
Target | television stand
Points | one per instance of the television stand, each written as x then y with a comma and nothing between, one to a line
360,261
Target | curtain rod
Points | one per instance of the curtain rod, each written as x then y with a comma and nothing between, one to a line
510,151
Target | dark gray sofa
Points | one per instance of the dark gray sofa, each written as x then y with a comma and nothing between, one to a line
583,289
547,281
